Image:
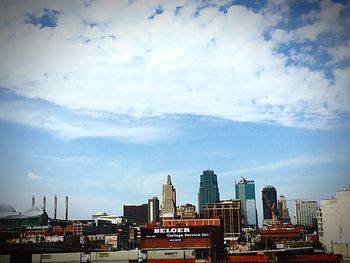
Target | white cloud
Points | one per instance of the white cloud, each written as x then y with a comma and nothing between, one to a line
215,64
340,53
324,21
34,176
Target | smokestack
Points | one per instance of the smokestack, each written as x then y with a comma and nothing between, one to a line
44,203
55,213
33,201
66,207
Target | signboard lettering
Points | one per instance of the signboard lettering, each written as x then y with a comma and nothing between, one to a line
175,233
171,230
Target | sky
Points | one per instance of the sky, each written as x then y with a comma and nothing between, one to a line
101,100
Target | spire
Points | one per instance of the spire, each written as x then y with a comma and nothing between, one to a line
168,180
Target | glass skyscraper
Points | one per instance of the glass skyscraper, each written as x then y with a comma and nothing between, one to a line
269,198
245,191
208,189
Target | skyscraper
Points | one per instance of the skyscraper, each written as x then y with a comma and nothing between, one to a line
306,212
283,210
153,209
245,191
208,189
269,199
169,199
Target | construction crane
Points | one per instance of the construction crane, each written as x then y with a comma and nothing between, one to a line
272,207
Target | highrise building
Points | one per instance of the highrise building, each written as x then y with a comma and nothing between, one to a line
230,212
334,223
153,209
245,191
208,189
306,212
169,199
269,199
283,210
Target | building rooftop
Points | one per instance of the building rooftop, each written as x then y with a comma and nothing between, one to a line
6,210
269,187
241,180
32,212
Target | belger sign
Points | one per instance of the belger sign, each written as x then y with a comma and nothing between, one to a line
171,230
175,232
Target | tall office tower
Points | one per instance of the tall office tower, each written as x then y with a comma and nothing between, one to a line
283,210
153,209
269,199
208,189
169,199
245,191
306,212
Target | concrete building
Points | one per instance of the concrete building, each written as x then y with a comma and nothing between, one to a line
153,209
230,212
245,191
102,218
169,199
334,223
283,210
208,189
306,212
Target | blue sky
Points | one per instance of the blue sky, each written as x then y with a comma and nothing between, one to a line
101,100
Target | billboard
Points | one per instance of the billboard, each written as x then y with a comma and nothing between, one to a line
175,232
172,237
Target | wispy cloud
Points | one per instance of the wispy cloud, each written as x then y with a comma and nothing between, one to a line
34,176
299,161
69,125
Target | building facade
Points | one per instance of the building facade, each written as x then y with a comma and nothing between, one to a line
230,213
153,209
199,241
137,214
306,212
187,211
283,210
208,189
334,223
245,191
17,222
169,199
269,199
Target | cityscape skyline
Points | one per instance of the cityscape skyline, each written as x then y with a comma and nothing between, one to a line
100,101
294,209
